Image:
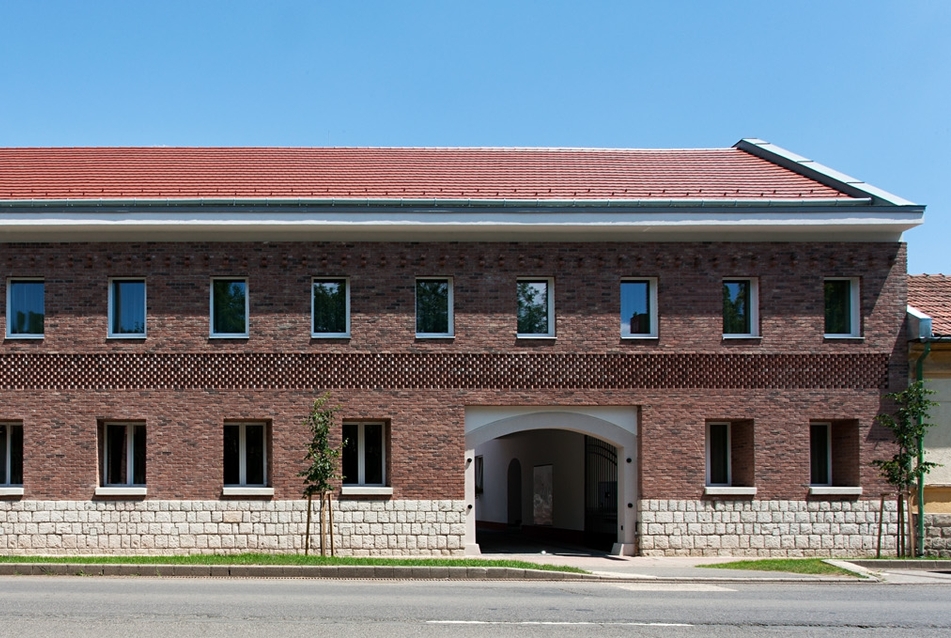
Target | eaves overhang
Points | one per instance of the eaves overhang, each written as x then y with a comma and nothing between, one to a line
449,220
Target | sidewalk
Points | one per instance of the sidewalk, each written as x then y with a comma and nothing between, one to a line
602,568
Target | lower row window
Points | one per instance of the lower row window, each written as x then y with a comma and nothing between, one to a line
11,454
123,454
833,454
364,458
245,454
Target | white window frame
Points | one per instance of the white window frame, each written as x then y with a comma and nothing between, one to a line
129,488
754,308
243,488
652,300
729,449
8,488
828,427
112,308
450,301
550,282
331,335
211,310
854,309
10,282
361,488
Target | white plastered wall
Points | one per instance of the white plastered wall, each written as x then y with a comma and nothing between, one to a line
938,438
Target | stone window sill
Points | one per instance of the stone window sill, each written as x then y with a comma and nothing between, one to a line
729,490
121,491
834,490
359,490
11,491
240,490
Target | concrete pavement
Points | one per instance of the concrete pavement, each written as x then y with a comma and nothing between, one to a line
601,567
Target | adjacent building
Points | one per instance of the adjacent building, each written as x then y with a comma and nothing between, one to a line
929,322
657,351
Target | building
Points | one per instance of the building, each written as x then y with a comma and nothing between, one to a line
929,322
661,351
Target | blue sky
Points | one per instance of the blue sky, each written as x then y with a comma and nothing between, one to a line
863,87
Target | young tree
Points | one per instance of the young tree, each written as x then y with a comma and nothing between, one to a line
908,425
323,465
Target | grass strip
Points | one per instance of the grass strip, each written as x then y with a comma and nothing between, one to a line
814,566
286,559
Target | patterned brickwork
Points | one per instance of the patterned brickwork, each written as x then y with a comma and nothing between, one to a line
438,371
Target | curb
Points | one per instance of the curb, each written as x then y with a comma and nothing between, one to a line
395,572
928,565
369,572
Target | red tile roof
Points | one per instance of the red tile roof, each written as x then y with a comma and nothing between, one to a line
394,173
931,294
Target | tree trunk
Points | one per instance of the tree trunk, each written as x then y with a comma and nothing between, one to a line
900,546
330,528
323,525
307,533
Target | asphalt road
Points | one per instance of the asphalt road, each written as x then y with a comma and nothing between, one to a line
154,607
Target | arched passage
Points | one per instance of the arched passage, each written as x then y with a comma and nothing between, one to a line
615,425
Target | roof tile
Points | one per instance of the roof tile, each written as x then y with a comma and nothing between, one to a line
931,294
394,173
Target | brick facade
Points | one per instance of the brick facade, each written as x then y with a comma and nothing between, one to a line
184,386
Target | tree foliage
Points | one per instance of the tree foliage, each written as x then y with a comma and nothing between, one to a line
908,425
320,453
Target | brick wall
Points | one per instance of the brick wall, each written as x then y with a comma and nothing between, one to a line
184,385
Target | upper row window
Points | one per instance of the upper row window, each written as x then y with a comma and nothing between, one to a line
26,308
536,308
740,308
330,308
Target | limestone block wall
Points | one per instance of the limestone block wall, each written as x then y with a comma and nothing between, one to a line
938,535
763,528
362,527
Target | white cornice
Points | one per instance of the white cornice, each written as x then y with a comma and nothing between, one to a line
885,223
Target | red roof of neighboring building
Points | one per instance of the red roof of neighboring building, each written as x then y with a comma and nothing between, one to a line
931,294
395,173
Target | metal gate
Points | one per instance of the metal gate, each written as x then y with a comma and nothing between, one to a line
600,493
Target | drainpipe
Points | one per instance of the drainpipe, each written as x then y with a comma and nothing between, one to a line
919,376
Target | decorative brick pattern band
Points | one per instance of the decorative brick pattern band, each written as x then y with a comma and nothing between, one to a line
439,371
380,528
764,528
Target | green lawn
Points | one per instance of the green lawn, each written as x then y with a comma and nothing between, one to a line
284,559
793,565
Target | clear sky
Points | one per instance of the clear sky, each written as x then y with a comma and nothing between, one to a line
863,87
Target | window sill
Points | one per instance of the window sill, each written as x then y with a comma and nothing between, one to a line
11,491
834,490
121,491
245,336
535,337
729,490
843,338
240,490
9,336
746,337
639,337
330,335
140,337
435,336
359,490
